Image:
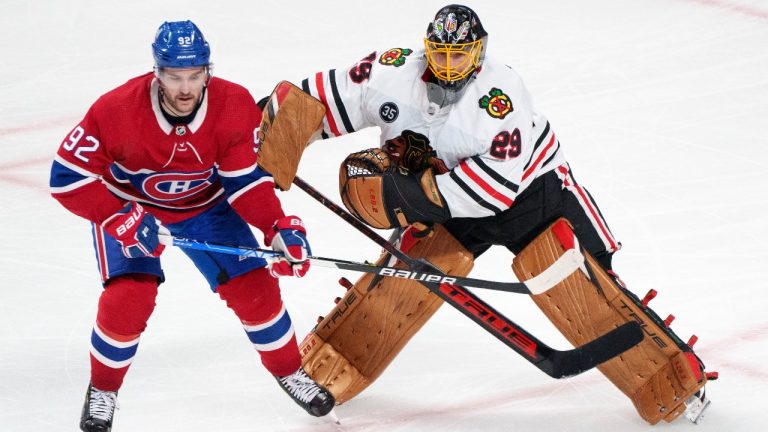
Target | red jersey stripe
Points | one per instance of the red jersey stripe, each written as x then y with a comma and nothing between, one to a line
533,166
328,112
596,216
484,185
568,182
101,252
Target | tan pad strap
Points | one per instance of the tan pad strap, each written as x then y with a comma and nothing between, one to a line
376,318
656,374
289,120
429,185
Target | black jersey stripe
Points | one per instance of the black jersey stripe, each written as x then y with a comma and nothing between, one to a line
536,147
339,103
549,159
494,175
468,190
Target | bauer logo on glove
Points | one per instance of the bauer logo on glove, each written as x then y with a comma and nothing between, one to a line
289,237
136,230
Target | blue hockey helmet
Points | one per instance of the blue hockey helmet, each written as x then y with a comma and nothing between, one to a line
180,44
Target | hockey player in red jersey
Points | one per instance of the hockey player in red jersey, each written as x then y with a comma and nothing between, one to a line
173,151
471,152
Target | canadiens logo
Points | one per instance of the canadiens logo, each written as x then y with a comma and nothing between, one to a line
176,186
497,104
395,56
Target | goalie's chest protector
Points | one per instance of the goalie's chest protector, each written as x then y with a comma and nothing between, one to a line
395,99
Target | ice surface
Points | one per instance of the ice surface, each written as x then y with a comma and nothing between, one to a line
661,107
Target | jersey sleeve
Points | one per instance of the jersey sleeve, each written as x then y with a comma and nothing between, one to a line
488,183
250,190
77,169
343,93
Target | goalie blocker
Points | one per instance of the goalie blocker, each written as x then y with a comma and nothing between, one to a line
291,118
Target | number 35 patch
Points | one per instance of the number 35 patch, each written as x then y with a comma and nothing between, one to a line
388,112
506,144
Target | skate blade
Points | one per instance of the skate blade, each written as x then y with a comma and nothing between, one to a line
695,407
332,417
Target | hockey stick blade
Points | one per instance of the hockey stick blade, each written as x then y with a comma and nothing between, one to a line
581,359
555,363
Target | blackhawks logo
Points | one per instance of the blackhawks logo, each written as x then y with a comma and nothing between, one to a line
497,105
395,56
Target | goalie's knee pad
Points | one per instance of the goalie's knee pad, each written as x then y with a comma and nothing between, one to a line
359,338
661,374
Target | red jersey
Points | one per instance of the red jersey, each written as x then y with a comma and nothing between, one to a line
125,150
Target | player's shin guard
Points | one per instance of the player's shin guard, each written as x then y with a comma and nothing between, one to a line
275,340
255,299
365,331
111,355
124,308
661,375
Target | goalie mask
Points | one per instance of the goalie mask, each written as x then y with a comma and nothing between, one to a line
455,46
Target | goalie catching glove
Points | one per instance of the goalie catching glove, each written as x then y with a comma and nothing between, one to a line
289,237
386,196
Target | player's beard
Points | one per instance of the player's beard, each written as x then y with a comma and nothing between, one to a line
180,105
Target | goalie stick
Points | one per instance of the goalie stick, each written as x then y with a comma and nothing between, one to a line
539,284
555,363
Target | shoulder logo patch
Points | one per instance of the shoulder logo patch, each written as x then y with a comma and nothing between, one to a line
497,104
395,56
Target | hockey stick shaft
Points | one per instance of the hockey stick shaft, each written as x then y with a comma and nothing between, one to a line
555,363
425,276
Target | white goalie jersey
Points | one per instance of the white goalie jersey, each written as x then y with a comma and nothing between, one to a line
491,139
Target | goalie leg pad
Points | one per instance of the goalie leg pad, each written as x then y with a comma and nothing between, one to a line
360,337
289,120
660,373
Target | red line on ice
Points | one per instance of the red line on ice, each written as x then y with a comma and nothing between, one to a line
741,9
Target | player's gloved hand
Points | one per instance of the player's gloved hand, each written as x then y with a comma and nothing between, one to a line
411,150
136,230
290,238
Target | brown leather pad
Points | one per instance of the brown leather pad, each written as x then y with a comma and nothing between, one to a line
364,332
657,374
289,120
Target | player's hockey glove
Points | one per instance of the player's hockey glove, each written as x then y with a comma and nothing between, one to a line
289,237
136,230
411,150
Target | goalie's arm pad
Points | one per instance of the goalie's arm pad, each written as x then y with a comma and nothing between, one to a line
387,197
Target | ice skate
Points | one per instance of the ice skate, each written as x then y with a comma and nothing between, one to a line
98,410
315,399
